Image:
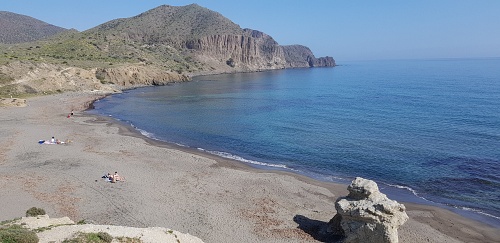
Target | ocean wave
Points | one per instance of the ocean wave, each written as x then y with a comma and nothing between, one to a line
476,211
407,188
238,158
147,134
144,132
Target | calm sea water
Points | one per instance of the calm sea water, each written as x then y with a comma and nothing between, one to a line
431,127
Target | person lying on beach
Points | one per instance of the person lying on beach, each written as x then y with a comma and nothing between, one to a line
117,177
56,141
113,178
107,177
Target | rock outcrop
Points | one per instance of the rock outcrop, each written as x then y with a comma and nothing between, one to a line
367,215
133,75
12,102
302,56
28,77
60,229
254,50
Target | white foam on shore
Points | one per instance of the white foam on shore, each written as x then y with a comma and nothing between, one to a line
449,205
410,190
238,158
477,211
144,132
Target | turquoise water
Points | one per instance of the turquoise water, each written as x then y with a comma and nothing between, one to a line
431,127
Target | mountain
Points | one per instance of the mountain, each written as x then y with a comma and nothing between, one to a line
17,28
161,45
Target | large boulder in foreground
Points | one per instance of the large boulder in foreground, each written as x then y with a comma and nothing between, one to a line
367,215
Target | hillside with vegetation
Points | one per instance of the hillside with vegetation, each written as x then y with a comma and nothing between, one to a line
162,45
17,28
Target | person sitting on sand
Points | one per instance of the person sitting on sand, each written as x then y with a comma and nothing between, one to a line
52,140
117,177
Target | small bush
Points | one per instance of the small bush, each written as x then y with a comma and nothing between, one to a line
33,212
128,240
100,237
105,237
17,234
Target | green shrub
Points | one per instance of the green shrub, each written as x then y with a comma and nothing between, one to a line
100,237
17,234
105,237
33,212
128,240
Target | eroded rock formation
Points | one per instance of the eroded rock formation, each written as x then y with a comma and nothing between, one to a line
28,77
367,215
255,50
133,75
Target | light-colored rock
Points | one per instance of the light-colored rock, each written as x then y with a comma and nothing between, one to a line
35,78
13,102
59,229
138,75
42,221
367,215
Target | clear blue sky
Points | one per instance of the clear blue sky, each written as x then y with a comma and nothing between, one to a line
347,29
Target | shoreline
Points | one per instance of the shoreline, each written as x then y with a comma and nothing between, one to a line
181,188
400,194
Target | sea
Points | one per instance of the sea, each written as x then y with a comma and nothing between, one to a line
427,131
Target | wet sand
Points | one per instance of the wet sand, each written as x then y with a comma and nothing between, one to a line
215,199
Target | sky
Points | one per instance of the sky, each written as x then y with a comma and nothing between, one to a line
346,30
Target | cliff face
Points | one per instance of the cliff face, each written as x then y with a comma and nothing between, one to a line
255,50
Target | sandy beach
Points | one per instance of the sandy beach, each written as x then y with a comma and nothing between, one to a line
212,198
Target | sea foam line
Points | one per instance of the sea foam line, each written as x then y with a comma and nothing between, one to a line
477,211
143,132
152,136
217,153
450,205
410,190
238,158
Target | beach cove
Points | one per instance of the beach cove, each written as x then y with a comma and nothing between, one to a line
215,199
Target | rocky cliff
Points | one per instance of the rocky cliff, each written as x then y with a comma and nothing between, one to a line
250,51
254,50
302,56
